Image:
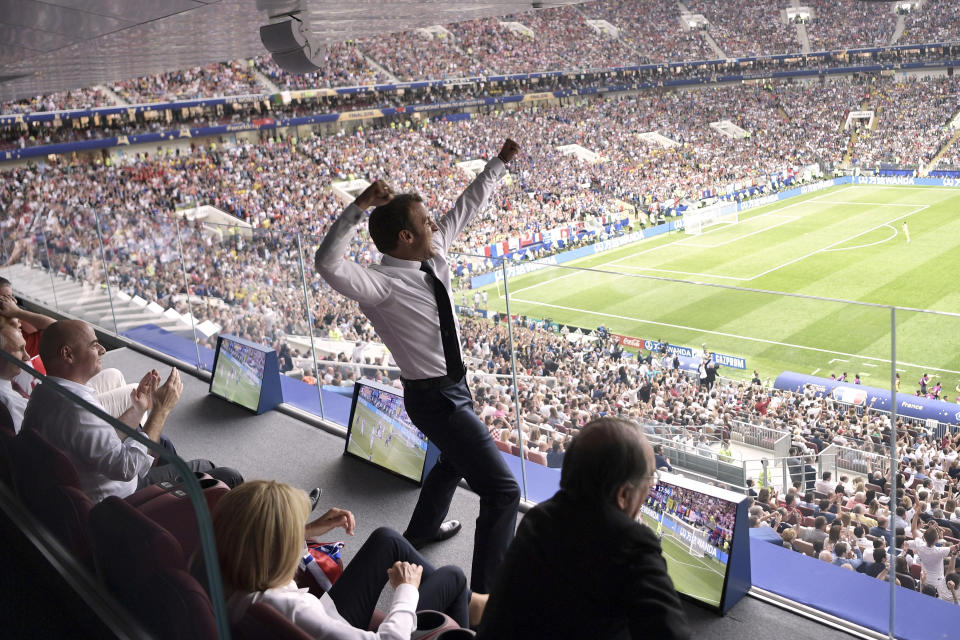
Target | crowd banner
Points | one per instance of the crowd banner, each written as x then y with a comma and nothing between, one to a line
862,396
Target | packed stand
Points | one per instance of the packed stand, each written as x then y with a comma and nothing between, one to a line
846,25
652,28
344,65
561,40
846,520
413,56
936,21
74,99
911,125
219,79
746,27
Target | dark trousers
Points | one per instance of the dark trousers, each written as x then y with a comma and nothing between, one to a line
169,473
356,591
467,451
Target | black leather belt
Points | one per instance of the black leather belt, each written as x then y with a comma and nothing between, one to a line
426,384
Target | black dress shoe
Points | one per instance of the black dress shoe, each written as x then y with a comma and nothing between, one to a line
446,531
315,497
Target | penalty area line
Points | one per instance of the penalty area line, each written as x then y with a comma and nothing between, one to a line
728,335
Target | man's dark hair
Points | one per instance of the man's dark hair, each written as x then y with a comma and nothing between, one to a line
607,453
820,522
387,221
5,283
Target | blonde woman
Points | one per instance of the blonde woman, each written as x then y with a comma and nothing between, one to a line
259,531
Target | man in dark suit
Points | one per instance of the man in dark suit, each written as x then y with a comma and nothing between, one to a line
623,591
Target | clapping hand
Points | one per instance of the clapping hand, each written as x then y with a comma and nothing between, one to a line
142,397
167,395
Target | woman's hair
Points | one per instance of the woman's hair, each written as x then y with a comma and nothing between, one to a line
259,529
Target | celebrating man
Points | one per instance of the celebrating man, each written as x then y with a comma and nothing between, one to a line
407,298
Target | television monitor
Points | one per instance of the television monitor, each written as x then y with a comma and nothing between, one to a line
705,538
381,433
246,374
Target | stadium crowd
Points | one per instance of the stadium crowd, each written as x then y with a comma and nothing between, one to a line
912,123
847,522
745,28
851,24
647,30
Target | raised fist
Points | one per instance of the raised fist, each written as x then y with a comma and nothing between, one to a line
377,194
509,151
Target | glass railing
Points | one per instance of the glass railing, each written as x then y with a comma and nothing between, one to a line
548,346
57,483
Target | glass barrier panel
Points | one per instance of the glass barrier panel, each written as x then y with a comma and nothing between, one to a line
68,476
48,262
736,387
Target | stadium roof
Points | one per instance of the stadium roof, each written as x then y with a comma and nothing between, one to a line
57,45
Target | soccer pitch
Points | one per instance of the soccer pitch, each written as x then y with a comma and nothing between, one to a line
232,383
700,578
846,242
397,456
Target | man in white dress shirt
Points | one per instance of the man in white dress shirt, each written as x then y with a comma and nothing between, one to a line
408,300
12,395
106,464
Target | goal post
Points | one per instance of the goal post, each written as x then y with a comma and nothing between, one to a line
720,213
696,541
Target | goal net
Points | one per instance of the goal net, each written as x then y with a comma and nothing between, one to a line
695,541
720,213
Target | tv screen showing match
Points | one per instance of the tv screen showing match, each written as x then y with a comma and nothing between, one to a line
381,433
238,373
696,534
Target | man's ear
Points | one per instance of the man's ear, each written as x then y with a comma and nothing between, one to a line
623,496
66,353
405,236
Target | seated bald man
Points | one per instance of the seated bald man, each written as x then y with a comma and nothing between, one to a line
107,465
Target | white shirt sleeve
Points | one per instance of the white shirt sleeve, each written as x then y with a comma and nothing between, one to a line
471,201
319,617
366,286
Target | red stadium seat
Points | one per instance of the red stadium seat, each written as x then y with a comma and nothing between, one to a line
144,567
915,570
263,622
804,547
503,446
537,457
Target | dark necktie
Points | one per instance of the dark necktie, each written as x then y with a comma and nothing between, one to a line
19,389
448,329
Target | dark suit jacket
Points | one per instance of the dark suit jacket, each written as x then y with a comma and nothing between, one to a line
580,570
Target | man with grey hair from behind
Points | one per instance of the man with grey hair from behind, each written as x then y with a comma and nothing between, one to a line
581,565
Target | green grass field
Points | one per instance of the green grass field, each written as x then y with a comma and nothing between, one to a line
397,456
231,383
846,243
698,577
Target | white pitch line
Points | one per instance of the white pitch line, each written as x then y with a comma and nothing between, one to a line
838,242
877,204
731,335
776,211
683,273
815,371
867,364
837,360
788,220
864,246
